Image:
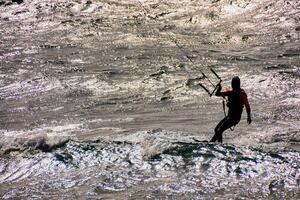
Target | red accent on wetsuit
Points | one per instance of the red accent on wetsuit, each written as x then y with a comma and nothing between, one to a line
243,96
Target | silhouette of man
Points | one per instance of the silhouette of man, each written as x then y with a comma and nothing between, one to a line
237,98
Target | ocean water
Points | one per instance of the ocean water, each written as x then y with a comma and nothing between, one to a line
101,99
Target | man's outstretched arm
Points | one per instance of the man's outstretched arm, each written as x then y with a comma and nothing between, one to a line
219,88
222,94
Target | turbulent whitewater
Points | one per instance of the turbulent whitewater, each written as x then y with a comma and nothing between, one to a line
99,99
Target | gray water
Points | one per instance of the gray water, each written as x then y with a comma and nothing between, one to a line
98,102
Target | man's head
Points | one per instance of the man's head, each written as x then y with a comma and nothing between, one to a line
236,83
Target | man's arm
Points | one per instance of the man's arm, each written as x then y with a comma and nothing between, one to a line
247,105
221,94
219,88
249,120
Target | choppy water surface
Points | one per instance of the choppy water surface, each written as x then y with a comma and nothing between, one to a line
97,101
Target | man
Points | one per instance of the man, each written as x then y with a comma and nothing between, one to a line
237,98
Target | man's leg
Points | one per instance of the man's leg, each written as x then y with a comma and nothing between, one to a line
224,124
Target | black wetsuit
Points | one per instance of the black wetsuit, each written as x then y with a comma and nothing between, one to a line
236,101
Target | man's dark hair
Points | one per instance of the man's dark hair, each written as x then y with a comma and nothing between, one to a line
236,83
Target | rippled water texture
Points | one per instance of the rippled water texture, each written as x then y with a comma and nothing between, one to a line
100,99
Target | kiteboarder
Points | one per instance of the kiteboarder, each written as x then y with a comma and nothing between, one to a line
237,98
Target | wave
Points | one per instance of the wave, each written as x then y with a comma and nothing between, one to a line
151,157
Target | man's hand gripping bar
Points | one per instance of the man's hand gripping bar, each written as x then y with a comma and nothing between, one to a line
215,86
